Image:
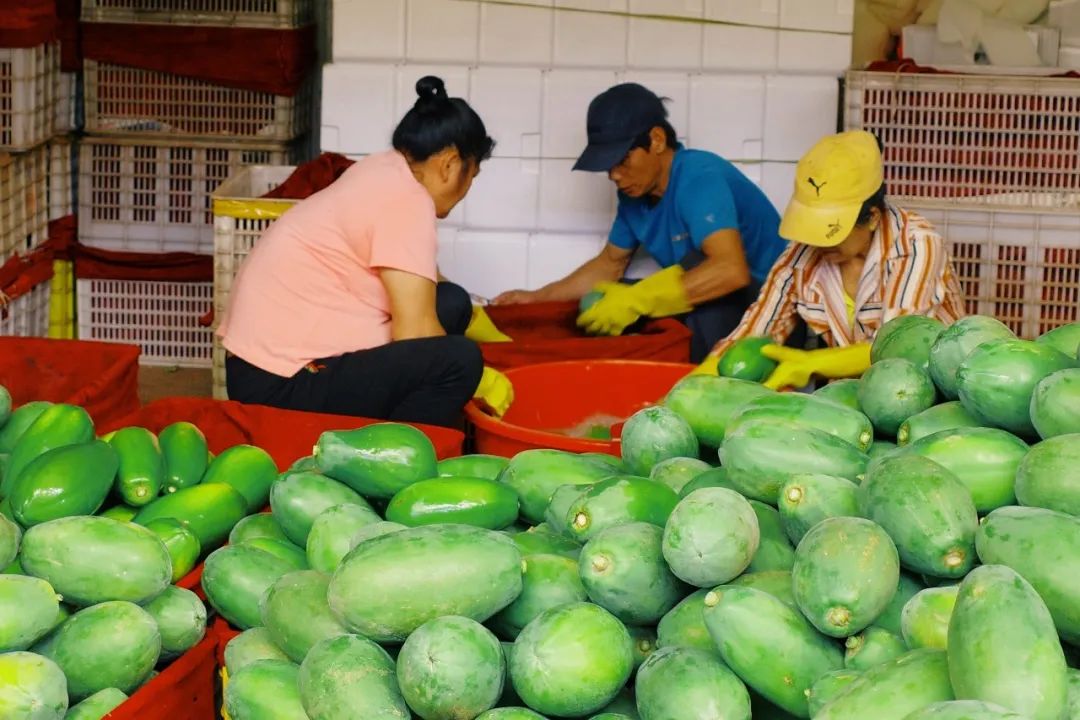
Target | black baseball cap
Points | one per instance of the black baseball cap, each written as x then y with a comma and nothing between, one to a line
617,118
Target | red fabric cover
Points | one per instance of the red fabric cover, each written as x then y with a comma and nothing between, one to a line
260,59
68,12
113,265
546,332
311,177
26,23
185,690
63,235
21,274
286,434
101,377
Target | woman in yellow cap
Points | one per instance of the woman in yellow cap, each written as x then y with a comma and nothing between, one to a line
855,262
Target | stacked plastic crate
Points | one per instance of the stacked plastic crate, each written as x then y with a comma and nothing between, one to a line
156,146
994,163
36,119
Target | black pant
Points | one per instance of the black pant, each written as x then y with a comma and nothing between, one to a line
424,381
713,321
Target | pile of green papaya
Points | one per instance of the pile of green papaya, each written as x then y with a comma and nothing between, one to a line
89,611
905,545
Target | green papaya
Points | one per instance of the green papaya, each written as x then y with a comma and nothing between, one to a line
181,619
806,500
480,466
98,705
1040,545
654,434
618,500
296,499
62,482
774,551
1049,475
295,612
623,571
954,345
249,470
846,572
891,618
334,533
711,537
34,687
109,645
708,403
28,610
926,510
828,687
684,625
236,577
571,660
677,472
770,646
250,646
350,677
1065,338
909,337
182,545
540,539
894,689
1054,402
547,581
893,390
714,477
209,511
845,392
467,501
925,619
451,667
811,411
774,582
142,469
184,451
555,517
89,560
56,426
378,460
265,690
998,618
21,419
536,474
744,361
258,525
385,589
946,416
761,456
689,684
965,710
872,647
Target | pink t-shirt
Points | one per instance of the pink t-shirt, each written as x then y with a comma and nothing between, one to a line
310,288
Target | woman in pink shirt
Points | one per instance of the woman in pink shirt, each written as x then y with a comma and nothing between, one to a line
338,307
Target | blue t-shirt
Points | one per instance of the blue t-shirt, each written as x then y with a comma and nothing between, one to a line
705,193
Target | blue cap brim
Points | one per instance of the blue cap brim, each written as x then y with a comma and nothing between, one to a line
601,157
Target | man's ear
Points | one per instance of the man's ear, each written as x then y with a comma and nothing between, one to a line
658,139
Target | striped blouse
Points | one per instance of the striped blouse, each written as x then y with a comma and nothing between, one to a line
908,271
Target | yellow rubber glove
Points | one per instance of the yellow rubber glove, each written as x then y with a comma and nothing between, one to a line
798,366
711,366
658,295
482,330
495,390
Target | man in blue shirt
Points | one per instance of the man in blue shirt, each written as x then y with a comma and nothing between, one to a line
711,229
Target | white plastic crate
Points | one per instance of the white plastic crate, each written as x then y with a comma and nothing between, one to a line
995,141
149,196
29,81
238,13
24,207
133,101
27,315
1020,267
240,217
160,317
61,186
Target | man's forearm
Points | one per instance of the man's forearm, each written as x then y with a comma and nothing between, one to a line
714,278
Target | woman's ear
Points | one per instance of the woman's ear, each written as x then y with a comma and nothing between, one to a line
449,164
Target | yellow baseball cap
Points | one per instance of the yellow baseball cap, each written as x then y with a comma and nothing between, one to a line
832,182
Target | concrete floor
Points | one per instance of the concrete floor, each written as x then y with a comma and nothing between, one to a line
161,382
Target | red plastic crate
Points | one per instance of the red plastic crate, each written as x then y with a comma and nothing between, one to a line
286,434
101,377
185,690
548,332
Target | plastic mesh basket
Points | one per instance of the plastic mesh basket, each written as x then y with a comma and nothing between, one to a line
977,139
27,315
240,217
24,207
156,197
1020,267
29,82
239,13
61,186
161,317
145,102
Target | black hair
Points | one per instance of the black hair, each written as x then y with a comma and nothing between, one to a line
877,200
645,139
437,122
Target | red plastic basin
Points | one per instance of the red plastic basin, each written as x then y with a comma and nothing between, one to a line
562,395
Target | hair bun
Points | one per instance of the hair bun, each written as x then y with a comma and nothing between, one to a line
430,88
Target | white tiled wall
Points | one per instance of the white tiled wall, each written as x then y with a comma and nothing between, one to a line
753,80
